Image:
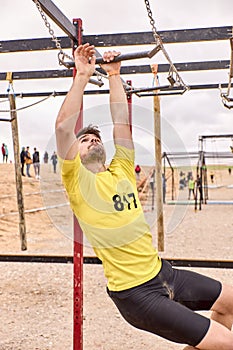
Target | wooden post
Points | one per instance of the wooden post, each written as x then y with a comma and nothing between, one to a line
129,100
158,166
18,175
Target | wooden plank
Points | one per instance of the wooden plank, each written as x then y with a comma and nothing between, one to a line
132,69
104,92
121,39
18,176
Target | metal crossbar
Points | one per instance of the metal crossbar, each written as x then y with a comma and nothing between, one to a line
68,259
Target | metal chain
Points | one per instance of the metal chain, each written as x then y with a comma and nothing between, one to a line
61,55
152,22
159,41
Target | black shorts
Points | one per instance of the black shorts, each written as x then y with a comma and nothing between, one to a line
165,305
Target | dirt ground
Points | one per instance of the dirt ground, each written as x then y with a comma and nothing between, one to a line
36,298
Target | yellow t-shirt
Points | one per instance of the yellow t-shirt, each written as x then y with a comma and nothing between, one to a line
109,212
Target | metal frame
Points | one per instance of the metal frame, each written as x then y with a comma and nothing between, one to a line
74,33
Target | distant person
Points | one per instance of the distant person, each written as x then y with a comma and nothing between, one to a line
229,170
54,162
212,177
164,188
22,160
3,152
46,157
191,188
36,163
137,171
28,161
199,187
182,183
182,174
6,153
152,186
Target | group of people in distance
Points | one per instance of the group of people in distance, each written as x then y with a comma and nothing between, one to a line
27,160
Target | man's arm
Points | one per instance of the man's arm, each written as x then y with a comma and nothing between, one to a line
70,109
118,102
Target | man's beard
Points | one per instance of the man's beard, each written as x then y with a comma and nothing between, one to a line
95,154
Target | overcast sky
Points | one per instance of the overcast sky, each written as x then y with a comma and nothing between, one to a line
184,117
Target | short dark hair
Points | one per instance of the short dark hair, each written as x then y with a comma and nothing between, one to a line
90,129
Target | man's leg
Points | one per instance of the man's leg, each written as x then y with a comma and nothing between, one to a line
28,170
222,310
219,335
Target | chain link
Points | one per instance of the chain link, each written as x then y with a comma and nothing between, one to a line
61,55
159,42
152,23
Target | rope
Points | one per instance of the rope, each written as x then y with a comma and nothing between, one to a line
33,104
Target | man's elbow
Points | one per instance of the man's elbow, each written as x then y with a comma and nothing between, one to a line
63,126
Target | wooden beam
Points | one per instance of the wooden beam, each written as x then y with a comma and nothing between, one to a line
158,165
121,39
142,69
18,175
103,92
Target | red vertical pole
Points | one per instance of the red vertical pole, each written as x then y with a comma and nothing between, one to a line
129,99
78,247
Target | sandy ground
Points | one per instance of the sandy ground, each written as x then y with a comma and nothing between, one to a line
36,299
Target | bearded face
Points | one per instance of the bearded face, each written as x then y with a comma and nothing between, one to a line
96,153
91,149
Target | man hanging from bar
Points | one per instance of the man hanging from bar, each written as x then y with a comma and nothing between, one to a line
149,293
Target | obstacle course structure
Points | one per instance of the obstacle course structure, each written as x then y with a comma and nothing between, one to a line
75,37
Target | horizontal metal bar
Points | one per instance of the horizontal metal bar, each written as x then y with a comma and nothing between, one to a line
226,264
5,120
121,39
30,45
99,92
132,55
223,264
140,69
165,93
223,136
154,88
96,82
168,88
125,57
167,36
36,259
59,18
